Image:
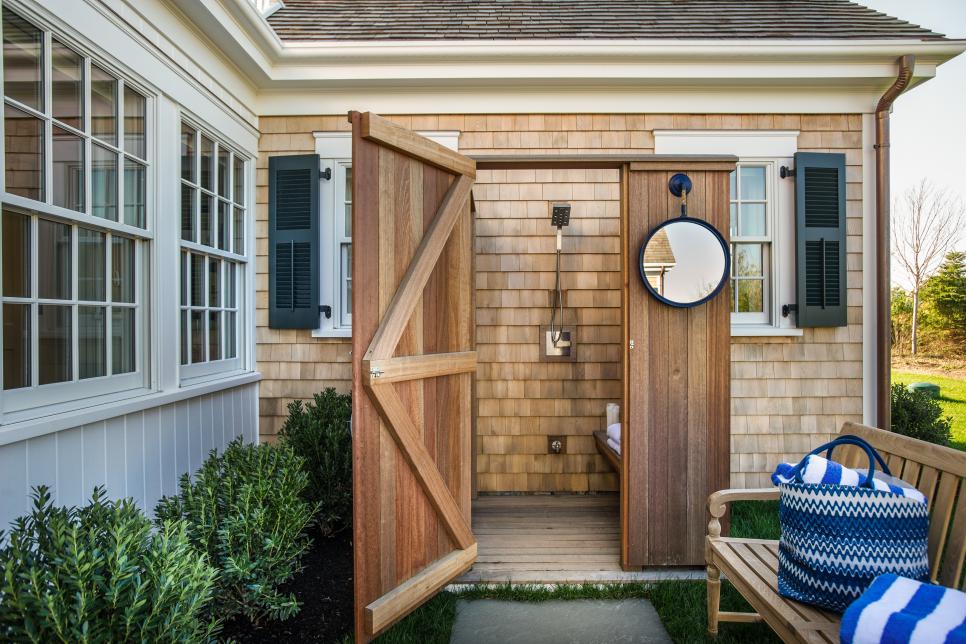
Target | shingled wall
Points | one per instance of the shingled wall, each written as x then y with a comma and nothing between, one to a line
788,394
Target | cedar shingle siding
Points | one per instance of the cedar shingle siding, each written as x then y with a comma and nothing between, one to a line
579,19
788,394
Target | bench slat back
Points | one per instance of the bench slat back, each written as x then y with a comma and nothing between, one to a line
938,472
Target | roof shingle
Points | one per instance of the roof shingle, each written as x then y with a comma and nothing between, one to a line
375,20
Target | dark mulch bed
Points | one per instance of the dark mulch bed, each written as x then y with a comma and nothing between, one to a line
323,588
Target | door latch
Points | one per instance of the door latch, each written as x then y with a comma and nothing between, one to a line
632,344
375,372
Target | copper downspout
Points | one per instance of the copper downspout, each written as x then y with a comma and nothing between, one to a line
883,253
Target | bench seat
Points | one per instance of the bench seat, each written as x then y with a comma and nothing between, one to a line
751,565
608,452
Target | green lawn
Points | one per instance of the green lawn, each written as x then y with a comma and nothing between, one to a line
952,398
680,604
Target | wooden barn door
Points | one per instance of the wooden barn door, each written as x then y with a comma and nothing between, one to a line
413,361
678,394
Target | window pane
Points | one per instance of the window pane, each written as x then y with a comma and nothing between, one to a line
752,222
22,61
206,207
214,335
135,206
187,153
239,176
197,336
187,212
750,296
231,285
184,337
207,160
67,85
748,260
54,270
23,153
224,224
184,279
214,282
752,183
197,280
91,259
16,345
239,247
135,111
733,226
54,333
92,341
68,153
16,255
347,277
224,172
733,184
122,269
103,105
348,202
103,183
122,340
231,350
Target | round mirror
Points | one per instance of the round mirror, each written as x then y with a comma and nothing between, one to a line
684,262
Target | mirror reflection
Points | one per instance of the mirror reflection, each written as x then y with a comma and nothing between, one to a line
684,262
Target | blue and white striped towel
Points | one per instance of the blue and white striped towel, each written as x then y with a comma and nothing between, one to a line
820,470
898,609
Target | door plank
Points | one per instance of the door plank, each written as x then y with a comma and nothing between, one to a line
406,434
414,591
380,130
418,367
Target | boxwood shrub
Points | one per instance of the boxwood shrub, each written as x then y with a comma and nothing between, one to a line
99,573
917,414
245,512
319,432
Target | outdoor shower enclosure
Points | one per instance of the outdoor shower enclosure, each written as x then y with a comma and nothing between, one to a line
414,360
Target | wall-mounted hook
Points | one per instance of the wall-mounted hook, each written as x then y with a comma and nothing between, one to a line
680,186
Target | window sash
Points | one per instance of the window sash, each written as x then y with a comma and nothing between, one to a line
765,241
64,395
192,370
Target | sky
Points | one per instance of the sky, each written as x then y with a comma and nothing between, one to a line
928,129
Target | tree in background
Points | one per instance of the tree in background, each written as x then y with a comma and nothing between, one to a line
945,293
901,316
928,223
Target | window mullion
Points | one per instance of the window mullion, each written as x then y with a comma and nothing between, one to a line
88,162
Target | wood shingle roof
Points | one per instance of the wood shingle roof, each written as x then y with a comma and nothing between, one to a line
382,20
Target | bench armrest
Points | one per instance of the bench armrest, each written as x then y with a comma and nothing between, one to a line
718,503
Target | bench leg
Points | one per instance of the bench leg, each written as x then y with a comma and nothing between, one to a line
714,598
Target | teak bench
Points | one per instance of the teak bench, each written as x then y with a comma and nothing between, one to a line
751,565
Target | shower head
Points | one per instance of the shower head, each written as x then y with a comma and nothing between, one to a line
560,215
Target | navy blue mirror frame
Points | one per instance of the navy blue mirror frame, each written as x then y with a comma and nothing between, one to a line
724,249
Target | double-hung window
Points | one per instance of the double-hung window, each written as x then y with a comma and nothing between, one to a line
213,254
75,225
751,244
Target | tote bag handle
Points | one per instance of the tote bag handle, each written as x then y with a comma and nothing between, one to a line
845,440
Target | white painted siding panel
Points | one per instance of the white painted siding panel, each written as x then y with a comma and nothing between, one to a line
140,455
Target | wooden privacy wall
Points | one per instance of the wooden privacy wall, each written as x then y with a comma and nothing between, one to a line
676,443
523,398
411,406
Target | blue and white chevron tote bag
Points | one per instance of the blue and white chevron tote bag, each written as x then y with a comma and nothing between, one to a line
835,538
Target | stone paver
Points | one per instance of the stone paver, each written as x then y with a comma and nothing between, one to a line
580,621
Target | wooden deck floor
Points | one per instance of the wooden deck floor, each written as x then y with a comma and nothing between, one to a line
551,539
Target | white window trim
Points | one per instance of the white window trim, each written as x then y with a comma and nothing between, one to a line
335,152
37,401
774,148
209,370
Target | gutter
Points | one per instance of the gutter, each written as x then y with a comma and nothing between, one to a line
883,254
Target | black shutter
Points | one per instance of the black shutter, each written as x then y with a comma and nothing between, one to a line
820,239
293,242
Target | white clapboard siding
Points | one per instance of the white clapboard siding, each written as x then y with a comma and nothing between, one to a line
140,455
